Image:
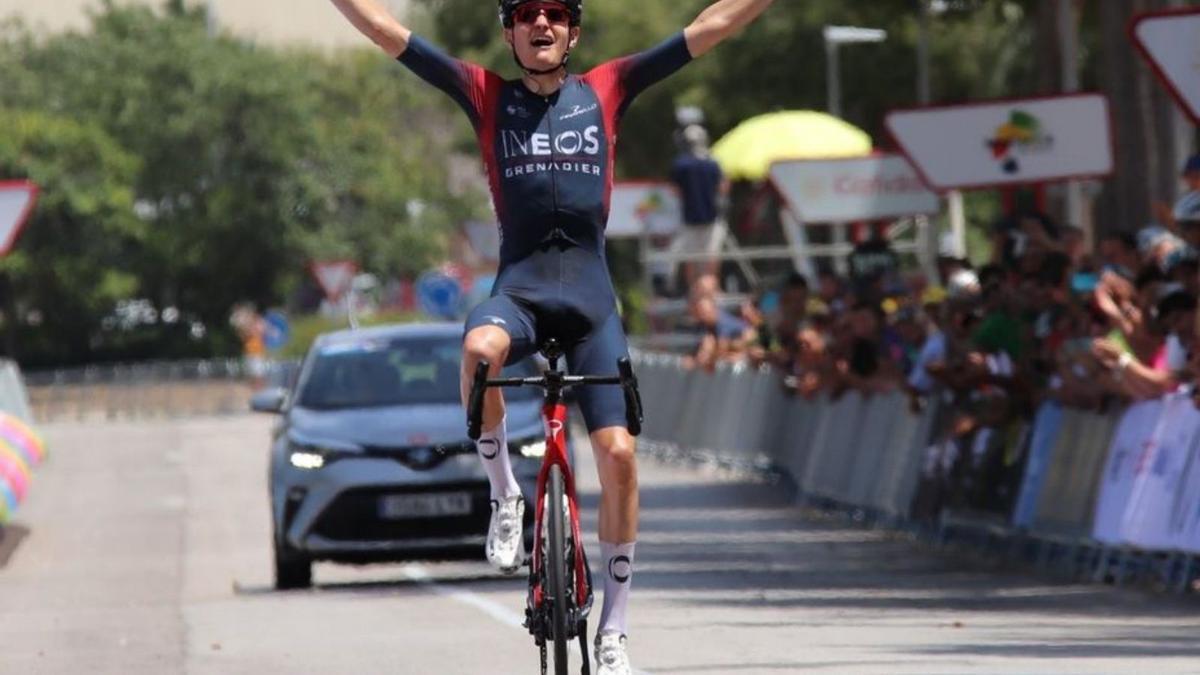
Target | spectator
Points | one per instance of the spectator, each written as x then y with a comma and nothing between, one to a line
788,320
702,187
874,266
1139,378
920,382
1119,254
1016,234
251,329
831,291
863,365
724,336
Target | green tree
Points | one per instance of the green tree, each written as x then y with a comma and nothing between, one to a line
66,272
251,161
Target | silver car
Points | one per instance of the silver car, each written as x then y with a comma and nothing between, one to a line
370,461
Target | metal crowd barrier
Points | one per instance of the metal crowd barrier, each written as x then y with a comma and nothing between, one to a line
864,455
149,390
1066,501
863,452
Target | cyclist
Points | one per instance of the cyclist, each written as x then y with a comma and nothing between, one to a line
548,139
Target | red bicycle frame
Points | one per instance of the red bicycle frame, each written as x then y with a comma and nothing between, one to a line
554,418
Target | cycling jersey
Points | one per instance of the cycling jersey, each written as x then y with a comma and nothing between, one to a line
549,162
549,159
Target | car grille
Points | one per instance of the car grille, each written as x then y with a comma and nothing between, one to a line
354,515
420,458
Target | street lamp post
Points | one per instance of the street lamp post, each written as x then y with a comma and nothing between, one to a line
211,21
834,37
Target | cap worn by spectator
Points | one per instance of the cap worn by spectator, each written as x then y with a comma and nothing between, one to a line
963,284
933,295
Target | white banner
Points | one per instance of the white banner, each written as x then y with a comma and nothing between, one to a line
1130,440
1171,42
1152,502
637,206
998,143
1185,520
847,190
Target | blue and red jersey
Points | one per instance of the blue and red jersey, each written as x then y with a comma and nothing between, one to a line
549,162
549,159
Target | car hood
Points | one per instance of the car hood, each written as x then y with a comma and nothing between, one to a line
397,426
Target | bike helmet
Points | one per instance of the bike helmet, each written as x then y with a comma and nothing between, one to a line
507,7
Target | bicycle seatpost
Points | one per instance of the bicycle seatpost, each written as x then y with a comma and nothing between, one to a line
475,401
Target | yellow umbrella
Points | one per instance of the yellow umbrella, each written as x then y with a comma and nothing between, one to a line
747,151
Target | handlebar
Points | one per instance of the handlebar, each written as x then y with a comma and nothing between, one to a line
554,382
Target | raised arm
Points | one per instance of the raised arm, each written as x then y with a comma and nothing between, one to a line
721,20
373,20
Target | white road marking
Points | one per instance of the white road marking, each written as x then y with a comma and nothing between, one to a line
495,610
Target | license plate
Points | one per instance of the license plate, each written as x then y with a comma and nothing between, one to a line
432,505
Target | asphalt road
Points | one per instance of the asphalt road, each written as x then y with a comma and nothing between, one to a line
144,548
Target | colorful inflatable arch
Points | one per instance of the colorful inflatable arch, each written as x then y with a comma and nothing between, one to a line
20,450
21,435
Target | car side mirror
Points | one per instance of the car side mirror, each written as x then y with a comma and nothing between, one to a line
269,400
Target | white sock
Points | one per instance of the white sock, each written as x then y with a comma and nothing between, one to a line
492,447
618,577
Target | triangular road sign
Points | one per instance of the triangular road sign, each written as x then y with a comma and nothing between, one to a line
1170,41
16,203
334,276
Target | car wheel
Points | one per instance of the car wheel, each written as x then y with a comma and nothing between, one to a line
292,570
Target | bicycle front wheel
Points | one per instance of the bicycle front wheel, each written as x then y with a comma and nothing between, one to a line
557,576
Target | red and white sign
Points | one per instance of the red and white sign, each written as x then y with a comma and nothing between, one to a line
1007,142
16,203
335,276
636,207
1170,41
853,189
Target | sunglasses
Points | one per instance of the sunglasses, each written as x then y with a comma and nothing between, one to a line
529,13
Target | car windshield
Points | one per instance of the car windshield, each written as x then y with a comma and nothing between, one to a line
377,372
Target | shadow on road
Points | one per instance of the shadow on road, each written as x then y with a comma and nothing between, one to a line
744,545
400,582
11,537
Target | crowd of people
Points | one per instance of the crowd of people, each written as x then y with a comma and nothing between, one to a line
1044,319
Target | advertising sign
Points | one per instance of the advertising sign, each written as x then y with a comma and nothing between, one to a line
847,190
635,206
1170,41
16,203
1013,142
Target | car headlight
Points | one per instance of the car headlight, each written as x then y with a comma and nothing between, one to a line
302,459
534,450
310,456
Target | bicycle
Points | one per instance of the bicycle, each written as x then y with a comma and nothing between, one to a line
560,580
